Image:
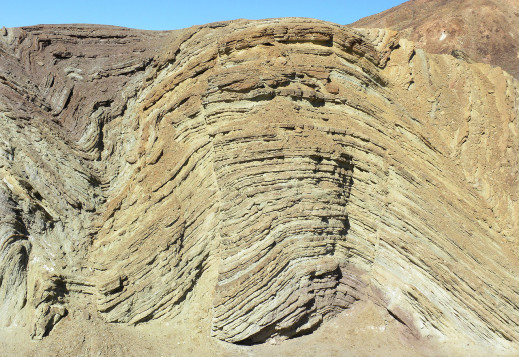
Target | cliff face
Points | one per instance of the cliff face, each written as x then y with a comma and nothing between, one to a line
290,168
485,30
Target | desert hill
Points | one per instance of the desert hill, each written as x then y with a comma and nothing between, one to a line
485,30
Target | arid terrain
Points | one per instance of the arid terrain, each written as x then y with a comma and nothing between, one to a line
480,30
274,187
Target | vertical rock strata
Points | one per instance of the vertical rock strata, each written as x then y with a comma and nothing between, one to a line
14,259
311,165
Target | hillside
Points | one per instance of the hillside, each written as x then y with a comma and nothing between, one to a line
485,30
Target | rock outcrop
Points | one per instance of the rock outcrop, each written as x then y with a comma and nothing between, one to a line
308,165
477,30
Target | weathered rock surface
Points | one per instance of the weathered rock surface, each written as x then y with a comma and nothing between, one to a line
477,30
308,165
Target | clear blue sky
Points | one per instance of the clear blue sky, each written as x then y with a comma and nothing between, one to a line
169,15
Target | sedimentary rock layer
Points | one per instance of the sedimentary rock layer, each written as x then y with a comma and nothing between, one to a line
310,164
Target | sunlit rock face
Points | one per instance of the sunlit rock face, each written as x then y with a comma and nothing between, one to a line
288,167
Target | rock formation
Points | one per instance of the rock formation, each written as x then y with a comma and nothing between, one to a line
308,165
480,30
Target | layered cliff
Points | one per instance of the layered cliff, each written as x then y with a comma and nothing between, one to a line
290,167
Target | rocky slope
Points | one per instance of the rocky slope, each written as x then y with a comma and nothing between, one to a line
291,169
482,30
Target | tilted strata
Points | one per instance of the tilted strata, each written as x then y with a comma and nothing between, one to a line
313,165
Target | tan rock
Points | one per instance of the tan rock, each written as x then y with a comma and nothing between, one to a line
356,169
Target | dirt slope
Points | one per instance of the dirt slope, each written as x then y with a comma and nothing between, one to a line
486,30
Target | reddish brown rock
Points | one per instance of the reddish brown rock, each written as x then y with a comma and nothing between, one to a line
485,30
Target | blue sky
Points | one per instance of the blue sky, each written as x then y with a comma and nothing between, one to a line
169,15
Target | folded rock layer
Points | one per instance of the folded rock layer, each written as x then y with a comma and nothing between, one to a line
310,165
